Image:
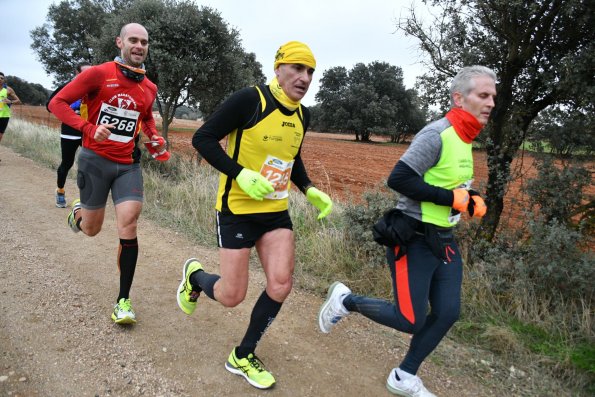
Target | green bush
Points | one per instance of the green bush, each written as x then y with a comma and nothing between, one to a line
555,264
558,192
547,264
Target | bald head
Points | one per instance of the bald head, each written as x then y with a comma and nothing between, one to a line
137,27
133,43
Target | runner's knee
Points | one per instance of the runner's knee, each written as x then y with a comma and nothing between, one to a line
90,229
230,301
448,317
278,291
229,297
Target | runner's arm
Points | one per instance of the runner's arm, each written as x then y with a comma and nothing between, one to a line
299,176
407,176
149,127
85,83
407,182
236,112
14,99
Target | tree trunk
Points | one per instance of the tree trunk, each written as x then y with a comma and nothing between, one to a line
498,174
165,128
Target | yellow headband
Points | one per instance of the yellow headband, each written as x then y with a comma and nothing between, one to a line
295,52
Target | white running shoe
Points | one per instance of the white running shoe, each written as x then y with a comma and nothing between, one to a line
410,387
332,310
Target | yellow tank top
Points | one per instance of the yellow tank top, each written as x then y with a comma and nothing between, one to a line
4,108
268,146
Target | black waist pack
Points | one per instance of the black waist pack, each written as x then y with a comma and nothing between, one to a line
439,240
394,228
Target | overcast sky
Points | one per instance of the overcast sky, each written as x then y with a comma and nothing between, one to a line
339,32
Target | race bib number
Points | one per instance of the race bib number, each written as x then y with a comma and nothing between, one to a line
278,172
124,119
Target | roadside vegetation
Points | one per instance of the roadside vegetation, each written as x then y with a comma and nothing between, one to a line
528,294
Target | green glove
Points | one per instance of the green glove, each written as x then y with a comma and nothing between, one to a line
319,200
254,184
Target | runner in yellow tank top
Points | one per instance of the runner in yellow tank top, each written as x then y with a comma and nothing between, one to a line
265,126
7,99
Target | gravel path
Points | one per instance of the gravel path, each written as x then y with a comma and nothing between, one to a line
57,290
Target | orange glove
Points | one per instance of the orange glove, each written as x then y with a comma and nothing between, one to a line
460,200
477,207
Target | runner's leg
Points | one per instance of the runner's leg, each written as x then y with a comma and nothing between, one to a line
276,252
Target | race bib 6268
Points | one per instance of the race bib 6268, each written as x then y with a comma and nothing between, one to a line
125,122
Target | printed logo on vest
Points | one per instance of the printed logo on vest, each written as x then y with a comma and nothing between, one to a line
274,138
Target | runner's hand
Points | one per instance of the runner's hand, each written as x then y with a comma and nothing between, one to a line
158,143
157,148
460,199
476,207
103,132
254,184
319,200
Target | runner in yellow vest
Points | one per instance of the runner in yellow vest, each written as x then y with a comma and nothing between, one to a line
265,128
7,99
433,178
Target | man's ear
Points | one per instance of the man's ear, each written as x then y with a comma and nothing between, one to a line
119,43
457,99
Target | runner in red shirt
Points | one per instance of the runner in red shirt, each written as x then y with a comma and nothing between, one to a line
117,100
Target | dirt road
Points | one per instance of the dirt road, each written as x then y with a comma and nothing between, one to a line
57,290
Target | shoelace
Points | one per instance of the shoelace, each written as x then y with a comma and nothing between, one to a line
414,384
255,363
334,314
125,306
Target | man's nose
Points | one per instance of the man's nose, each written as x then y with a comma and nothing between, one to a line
305,76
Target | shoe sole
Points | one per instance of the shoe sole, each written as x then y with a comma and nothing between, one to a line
182,286
60,205
395,391
326,304
241,373
125,320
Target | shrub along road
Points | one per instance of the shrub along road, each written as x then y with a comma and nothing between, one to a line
57,338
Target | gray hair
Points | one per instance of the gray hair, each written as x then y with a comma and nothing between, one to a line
463,81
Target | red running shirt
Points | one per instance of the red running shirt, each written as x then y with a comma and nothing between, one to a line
108,97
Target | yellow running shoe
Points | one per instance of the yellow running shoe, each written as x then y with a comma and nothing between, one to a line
76,206
123,313
187,294
252,369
